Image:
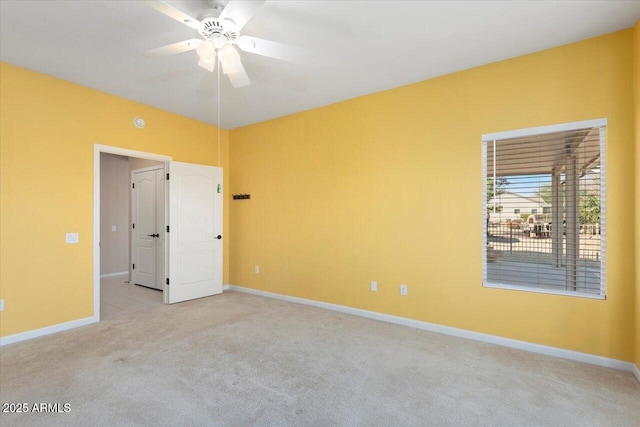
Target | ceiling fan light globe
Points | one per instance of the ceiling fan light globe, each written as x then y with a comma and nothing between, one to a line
227,66
230,53
206,50
226,69
207,64
229,59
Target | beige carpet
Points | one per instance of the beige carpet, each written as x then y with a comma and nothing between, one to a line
119,297
243,360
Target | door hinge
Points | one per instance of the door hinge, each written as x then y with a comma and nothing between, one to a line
134,266
167,282
167,228
167,177
133,185
134,226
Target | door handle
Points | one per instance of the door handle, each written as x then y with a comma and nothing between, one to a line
153,235
218,237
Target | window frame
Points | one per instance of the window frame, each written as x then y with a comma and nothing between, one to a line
602,124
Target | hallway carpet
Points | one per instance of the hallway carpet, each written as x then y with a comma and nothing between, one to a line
243,360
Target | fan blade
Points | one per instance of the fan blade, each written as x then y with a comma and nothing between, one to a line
239,77
240,11
174,13
271,49
174,48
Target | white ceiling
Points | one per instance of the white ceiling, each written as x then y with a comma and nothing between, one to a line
359,47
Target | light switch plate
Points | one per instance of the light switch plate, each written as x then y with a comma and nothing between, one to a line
113,228
72,238
374,286
1,305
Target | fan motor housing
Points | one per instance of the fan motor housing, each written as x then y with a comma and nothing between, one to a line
212,25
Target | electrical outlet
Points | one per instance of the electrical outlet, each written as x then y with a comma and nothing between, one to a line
72,238
374,286
256,269
403,290
113,228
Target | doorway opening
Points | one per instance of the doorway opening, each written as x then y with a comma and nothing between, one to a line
118,249
191,253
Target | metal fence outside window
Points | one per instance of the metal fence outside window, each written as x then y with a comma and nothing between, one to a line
518,242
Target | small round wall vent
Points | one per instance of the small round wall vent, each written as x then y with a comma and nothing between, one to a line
139,122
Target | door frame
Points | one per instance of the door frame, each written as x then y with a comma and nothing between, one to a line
97,150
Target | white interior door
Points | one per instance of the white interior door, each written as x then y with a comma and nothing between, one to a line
143,218
195,235
147,213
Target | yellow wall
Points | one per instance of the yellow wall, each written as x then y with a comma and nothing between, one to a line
636,93
387,187
384,187
49,128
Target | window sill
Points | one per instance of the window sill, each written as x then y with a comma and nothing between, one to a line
545,291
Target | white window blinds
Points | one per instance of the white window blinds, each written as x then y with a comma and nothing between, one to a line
544,206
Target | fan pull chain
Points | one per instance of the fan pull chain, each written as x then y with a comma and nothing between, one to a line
219,64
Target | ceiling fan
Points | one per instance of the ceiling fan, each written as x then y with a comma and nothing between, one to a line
220,26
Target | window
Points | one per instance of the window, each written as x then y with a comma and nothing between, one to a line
559,171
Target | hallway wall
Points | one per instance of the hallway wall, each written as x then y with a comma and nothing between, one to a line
114,212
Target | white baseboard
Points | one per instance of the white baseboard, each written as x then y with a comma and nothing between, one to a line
10,339
460,333
121,273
